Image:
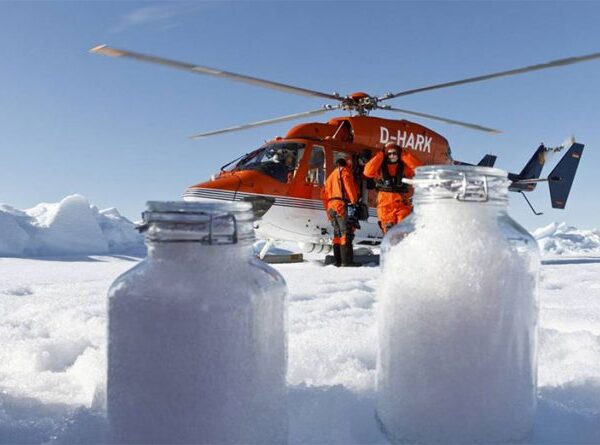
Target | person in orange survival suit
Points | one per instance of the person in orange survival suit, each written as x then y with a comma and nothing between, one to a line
340,191
388,167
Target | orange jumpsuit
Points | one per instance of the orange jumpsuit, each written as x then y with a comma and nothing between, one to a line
392,207
340,190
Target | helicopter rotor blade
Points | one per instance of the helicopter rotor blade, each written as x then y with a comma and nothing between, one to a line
442,119
541,66
198,69
289,117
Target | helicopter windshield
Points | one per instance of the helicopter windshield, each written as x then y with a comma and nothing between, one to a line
278,160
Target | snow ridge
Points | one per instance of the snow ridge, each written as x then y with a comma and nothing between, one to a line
69,227
562,239
74,227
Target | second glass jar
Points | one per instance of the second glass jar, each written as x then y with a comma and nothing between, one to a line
457,314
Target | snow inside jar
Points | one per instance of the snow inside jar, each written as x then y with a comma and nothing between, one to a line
197,333
457,314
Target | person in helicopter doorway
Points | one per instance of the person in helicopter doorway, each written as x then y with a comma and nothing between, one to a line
340,196
387,168
282,165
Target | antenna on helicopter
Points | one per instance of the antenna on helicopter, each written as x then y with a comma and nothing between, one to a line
359,102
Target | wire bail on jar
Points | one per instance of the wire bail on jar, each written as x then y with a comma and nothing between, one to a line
459,182
198,222
473,191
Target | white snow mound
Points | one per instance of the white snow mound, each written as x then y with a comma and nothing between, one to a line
70,227
562,239
13,239
119,232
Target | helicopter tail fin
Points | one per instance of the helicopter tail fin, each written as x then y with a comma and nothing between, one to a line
528,178
487,161
561,177
533,168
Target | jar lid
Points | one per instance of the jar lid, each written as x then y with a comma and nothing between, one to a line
469,183
192,207
206,222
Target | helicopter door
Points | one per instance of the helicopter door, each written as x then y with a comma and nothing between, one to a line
302,212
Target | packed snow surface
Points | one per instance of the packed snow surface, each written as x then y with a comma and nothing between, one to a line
53,316
53,332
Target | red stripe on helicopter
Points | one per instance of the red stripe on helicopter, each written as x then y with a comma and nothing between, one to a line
224,195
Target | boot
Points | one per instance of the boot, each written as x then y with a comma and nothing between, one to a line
348,256
337,255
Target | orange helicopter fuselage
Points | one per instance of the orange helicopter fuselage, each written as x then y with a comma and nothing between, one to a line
297,191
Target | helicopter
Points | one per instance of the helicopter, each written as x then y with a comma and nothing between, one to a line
284,177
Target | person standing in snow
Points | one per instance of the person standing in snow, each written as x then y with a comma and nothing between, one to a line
388,167
340,195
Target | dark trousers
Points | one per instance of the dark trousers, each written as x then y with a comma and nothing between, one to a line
340,227
343,235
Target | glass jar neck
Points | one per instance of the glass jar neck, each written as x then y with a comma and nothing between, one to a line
191,251
189,229
467,186
448,212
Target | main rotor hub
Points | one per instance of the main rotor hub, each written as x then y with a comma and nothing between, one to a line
359,102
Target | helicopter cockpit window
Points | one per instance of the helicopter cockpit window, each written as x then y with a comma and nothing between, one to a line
316,167
279,160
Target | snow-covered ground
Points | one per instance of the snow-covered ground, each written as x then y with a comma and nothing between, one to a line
53,332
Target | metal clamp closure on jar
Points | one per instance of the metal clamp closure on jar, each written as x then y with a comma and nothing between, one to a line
205,224
475,193
209,239
461,183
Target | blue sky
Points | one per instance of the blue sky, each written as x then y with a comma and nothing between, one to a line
117,131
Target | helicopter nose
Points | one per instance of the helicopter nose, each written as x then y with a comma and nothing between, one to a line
226,188
223,188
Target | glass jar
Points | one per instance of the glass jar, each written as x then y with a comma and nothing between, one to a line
457,314
197,333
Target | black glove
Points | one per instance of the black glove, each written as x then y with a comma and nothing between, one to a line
352,214
351,210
